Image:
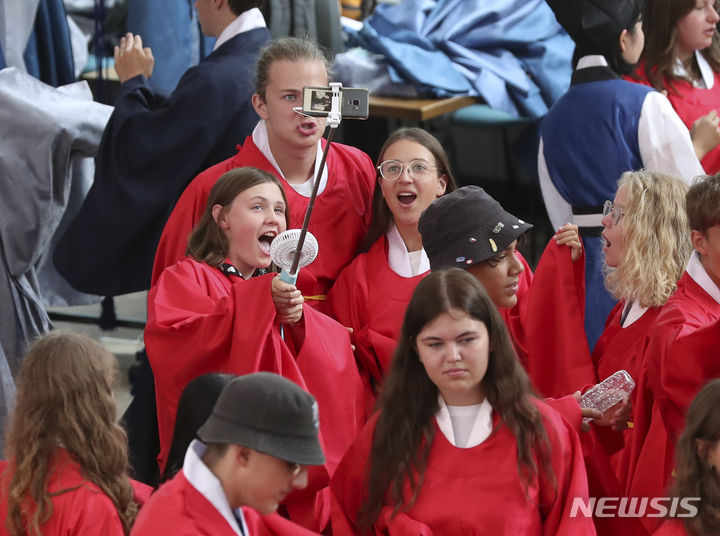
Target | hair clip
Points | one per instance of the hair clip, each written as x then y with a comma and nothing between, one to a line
493,245
498,227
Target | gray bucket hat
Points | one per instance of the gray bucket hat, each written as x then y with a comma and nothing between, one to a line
267,413
466,227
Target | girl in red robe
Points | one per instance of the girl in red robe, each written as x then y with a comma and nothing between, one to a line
698,468
208,314
459,445
682,58
371,294
66,472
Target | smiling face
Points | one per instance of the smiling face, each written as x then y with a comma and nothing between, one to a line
287,129
454,349
406,196
696,29
253,219
614,233
500,276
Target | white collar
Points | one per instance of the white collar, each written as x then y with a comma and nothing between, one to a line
203,480
593,60
634,313
706,72
398,257
696,270
481,430
246,21
260,139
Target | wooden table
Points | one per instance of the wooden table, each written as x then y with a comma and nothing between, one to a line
416,109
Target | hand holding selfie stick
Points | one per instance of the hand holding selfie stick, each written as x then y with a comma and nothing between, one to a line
333,121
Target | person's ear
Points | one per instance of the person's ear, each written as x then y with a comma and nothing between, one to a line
442,185
624,40
260,106
218,215
242,455
699,241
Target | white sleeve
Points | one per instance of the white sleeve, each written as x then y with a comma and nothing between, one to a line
559,211
664,140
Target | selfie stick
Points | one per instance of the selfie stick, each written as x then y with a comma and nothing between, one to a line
333,121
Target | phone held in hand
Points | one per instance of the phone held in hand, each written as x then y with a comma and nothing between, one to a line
354,102
609,392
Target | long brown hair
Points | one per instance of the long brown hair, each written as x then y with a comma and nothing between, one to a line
382,218
695,477
207,242
661,37
64,398
409,399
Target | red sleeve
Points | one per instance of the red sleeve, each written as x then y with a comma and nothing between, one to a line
191,331
559,360
570,480
675,386
272,525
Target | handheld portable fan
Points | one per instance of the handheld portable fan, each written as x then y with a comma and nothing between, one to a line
283,251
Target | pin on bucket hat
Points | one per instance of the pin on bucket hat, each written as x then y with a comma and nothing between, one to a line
267,413
466,227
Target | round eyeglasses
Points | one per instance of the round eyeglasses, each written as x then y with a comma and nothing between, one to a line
611,208
391,170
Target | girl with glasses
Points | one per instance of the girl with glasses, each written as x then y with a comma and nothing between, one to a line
371,294
460,445
602,127
646,246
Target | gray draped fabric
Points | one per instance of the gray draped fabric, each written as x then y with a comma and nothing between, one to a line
317,19
48,137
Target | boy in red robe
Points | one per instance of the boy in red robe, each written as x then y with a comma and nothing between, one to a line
255,449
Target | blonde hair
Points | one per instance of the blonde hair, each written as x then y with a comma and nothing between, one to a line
657,239
64,397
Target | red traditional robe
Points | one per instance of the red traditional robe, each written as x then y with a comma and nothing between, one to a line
681,358
558,359
475,490
371,298
671,528
560,362
691,103
341,214
179,509
79,506
201,320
